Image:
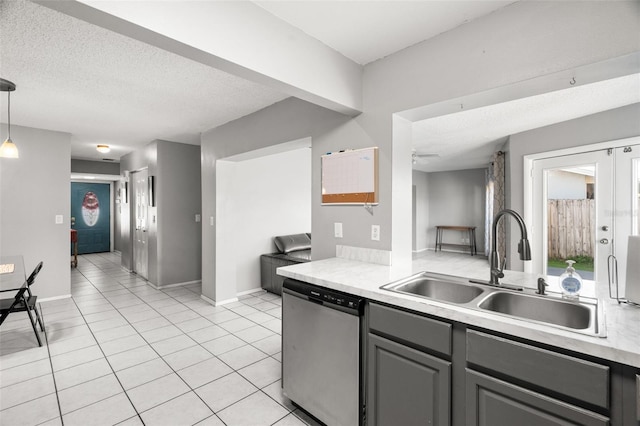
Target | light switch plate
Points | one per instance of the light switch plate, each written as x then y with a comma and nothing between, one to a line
59,219
375,232
337,229
211,220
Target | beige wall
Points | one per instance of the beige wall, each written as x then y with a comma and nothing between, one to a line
34,189
520,42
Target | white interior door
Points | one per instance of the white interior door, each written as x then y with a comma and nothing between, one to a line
599,232
141,224
627,204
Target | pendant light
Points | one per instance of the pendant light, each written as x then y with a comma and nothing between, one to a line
8,148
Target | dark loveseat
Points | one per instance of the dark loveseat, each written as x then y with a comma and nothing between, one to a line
292,249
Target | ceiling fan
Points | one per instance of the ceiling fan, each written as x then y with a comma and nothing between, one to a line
415,157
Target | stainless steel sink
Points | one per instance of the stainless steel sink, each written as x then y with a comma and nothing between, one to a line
580,316
438,287
584,316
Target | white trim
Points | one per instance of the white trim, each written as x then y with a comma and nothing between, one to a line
214,303
253,290
527,168
51,299
160,287
421,250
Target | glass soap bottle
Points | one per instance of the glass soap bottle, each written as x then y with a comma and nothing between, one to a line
571,282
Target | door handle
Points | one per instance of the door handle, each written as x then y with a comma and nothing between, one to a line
604,241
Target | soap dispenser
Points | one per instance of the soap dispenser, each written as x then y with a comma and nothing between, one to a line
571,282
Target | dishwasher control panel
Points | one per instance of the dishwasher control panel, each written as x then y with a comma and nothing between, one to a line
324,295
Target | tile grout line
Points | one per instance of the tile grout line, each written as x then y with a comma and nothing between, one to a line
105,358
196,344
215,356
53,375
159,356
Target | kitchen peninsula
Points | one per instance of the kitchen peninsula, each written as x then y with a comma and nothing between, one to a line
482,359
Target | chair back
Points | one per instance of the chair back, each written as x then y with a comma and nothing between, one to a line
19,298
34,274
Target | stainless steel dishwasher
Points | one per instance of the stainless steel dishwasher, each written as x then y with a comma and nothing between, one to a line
322,352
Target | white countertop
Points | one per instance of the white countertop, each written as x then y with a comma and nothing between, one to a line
621,344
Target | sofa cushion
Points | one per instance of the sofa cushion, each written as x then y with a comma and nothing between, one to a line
301,255
293,242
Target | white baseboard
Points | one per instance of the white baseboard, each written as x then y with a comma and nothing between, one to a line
50,299
162,287
253,290
215,303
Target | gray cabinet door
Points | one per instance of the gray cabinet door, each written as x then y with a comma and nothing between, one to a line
497,403
405,386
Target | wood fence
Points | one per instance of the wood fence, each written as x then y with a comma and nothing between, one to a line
570,228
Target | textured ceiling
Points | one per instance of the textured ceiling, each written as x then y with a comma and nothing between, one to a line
365,31
467,139
105,88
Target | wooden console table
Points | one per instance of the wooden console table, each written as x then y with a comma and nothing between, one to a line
470,230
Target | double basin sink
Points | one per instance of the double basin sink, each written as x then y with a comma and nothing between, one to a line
584,316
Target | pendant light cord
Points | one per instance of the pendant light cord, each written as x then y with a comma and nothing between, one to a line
9,113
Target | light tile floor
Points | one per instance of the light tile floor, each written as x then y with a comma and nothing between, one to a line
121,352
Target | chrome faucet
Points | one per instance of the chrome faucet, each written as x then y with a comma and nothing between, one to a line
523,246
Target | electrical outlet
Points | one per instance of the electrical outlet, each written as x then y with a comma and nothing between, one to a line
375,232
198,218
337,229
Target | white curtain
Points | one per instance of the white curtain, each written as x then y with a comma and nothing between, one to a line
495,202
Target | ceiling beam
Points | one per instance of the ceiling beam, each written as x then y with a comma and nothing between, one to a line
239,38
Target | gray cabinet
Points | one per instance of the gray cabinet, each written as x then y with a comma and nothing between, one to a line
637,399
551,372
494,402
538,387
422,370
406,385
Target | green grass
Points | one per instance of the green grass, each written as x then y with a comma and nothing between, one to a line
583,263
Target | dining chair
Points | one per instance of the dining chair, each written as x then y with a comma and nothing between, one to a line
25,302
17,304
32,299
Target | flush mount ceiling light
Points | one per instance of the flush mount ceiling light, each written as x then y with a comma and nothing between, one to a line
8,148
103,148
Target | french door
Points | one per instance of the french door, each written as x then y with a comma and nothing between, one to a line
610,183
580,186
627,205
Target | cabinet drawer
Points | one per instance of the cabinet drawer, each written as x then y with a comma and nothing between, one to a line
415,329
573,377
495,402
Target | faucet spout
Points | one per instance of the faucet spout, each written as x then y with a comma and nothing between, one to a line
523,246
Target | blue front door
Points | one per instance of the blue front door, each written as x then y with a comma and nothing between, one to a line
90,216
